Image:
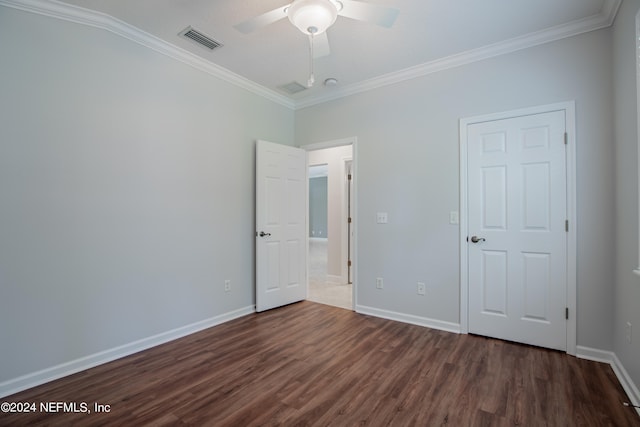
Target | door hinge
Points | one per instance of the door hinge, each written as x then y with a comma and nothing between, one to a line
566,313
566,138
566,225
349,220
349,177
349,263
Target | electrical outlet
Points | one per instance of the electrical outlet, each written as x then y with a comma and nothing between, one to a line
227,285
379,283
627,331
422,290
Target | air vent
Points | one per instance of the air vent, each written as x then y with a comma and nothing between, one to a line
200,38
293,87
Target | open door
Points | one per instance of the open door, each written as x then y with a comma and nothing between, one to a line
281,232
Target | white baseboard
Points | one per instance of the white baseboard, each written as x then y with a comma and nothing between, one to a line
623,376
55,372
594,354
409,318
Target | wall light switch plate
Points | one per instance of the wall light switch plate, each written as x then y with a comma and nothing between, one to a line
454,217
382,217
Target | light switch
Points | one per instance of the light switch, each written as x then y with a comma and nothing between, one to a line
454,218
382,218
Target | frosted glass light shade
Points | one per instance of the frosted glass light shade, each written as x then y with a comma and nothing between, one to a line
312,16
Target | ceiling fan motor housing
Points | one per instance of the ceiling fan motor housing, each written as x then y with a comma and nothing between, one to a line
312,16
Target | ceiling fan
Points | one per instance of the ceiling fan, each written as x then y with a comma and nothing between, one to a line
314,17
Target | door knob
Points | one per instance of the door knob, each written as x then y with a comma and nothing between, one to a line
263,234
476,239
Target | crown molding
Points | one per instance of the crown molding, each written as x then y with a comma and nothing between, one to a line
72,13
68,12
604,19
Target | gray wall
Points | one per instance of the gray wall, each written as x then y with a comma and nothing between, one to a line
627,285
126,189
318,207
408,166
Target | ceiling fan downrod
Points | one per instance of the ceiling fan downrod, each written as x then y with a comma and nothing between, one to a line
312,78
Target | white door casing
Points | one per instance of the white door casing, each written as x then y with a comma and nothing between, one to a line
281,237
349,223
517,198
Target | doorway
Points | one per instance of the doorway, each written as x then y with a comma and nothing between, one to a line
517,226
331,223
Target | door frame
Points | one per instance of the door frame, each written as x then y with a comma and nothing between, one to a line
352,141
569,110
347,212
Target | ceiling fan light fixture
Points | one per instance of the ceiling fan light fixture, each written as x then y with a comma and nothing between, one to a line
312,16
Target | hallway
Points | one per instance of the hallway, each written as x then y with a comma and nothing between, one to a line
320,289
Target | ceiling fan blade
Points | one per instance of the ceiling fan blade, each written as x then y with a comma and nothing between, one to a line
257,22
379,15
321,45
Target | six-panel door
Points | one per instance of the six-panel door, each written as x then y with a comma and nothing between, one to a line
517,208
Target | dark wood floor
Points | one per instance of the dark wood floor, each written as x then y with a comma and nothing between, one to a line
310,364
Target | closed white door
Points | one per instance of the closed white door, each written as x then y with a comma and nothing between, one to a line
517,244
281,240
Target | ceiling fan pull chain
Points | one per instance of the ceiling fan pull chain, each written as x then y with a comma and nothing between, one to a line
312,78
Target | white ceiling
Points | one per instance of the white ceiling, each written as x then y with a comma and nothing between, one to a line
426,33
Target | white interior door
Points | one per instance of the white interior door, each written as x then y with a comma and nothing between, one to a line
281,237
517,244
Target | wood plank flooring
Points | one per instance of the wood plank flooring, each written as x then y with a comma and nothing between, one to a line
309,364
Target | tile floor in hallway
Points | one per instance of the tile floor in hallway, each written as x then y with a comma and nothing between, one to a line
320,289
